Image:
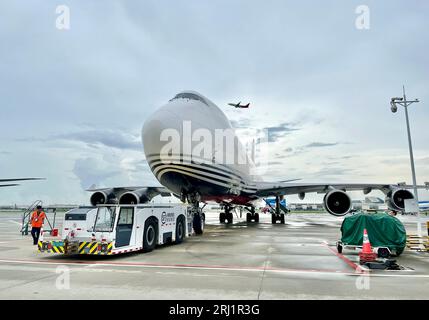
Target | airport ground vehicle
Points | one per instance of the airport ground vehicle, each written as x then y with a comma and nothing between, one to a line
386,233
116,229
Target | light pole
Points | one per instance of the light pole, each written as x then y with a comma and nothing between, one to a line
394,107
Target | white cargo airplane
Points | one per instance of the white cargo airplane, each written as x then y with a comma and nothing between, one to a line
177,163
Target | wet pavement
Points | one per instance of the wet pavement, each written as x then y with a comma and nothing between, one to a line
297,260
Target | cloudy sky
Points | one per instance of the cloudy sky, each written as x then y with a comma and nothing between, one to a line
73,101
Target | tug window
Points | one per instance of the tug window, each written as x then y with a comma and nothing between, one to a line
105,219
126,216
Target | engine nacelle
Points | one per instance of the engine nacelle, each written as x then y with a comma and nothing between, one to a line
103,197
395,199
337,203
138,196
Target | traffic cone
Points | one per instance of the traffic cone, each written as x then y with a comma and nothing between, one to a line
366,255
366,248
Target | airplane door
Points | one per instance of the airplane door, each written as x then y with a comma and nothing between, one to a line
124,228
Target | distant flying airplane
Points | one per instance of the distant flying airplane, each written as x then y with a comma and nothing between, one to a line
15,184
239,105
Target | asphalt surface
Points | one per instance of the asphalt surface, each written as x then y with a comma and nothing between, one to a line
297,260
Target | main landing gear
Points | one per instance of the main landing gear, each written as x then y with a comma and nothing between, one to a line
252,215
226,216
278,216
199,217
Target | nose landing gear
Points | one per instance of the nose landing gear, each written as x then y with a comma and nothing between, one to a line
226,216
199,217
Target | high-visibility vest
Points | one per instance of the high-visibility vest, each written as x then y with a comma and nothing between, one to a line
37,219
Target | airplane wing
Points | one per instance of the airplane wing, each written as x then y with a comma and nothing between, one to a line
9,185
266,189
127,195
337,202
20,179
160,190
17,179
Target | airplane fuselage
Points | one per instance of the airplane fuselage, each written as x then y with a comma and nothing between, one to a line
191,147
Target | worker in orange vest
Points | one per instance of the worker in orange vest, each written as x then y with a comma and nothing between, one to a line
37,219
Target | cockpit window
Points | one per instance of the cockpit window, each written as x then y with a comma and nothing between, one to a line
190,96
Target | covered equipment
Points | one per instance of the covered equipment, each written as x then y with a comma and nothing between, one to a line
383,229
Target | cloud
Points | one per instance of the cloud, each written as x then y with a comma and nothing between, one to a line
108,138
302,89
274,163
320,145
93,171
241,123
114,169
292,152
277,132
95,138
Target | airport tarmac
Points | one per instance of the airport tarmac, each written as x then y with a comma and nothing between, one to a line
297,260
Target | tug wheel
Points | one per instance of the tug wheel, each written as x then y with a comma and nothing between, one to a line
149,235
180,229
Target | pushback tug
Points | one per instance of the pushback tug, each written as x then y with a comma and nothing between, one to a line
117,229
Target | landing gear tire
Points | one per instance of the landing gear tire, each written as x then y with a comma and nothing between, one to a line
198,223
252,215
222,217
149,235
339,248
277,217
229,217
180,230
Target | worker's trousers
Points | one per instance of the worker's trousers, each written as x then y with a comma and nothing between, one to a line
35,233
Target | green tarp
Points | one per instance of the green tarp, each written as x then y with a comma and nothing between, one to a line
383,231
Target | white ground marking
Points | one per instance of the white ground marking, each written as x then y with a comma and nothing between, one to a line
221,269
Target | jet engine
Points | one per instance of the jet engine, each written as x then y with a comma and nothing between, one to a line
337,203
395,198
138,196
103,197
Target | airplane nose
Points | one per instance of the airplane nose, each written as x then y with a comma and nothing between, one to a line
152,131
163,124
